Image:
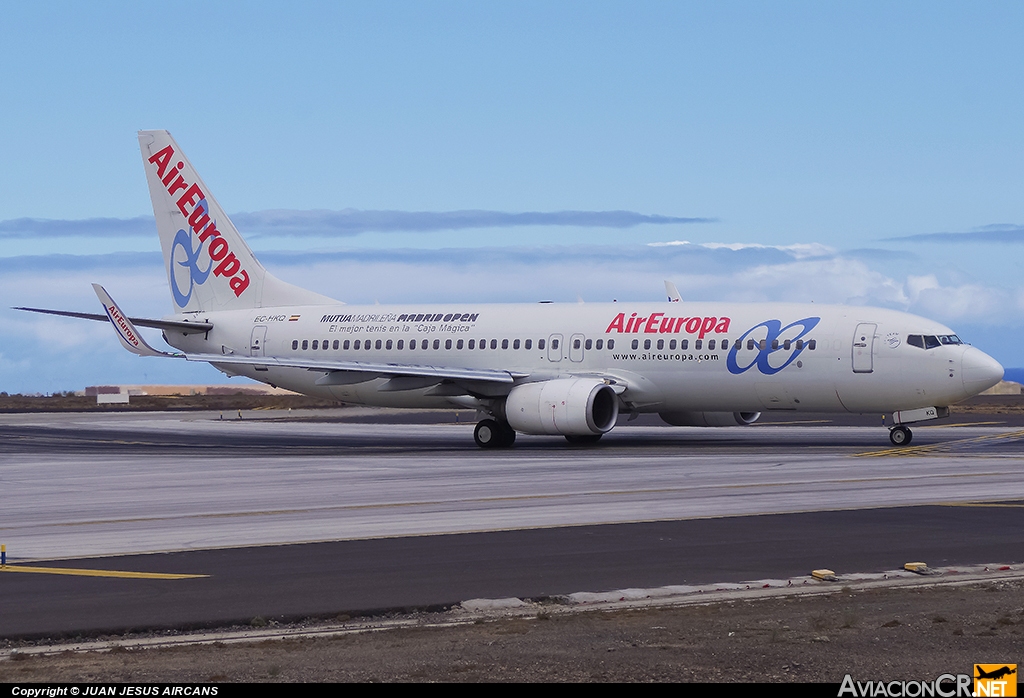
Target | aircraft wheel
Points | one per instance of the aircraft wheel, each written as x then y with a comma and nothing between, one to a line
490,433
900,436
583,439
508,435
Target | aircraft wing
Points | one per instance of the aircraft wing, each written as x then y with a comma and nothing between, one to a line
362,369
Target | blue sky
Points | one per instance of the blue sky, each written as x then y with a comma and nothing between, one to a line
836,152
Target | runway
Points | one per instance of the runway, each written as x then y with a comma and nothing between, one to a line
396,515
114,484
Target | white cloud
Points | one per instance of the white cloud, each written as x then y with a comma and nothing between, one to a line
798,251
48,354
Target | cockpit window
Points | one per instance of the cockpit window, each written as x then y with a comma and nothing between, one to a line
929,341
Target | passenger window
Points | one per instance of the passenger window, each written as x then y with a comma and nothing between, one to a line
345,345
315,344
504,344
388,345
437,344
711,344
775,344
811,344
697,345
401,344
588,345
750,345
684,345
647,344
335,345
412,344
459,344
305,344
472,344
763,344
611,344
799,344
515,344
554,343
540,343
494,344
326,344
636,344
295,344
672,345
576,344
661,344
725,344
447,344
483,343
527,344
377,345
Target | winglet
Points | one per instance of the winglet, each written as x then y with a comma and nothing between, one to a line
673,292
126,332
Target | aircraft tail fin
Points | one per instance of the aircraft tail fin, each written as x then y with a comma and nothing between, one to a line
209,266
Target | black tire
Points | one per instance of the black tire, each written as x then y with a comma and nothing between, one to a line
900,436
583,439
508,436
490,433
487,434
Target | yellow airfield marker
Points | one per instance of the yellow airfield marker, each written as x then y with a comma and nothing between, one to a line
98,573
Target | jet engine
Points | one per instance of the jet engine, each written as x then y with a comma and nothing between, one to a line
568,406
709,419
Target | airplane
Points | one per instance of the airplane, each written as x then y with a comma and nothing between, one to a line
544,368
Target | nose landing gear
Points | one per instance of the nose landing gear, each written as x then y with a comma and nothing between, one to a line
490,433
900,436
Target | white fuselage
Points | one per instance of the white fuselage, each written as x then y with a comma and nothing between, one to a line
799,357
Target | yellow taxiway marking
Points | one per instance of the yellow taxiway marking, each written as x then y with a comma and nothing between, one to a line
997,505
960,424
98,573
942,447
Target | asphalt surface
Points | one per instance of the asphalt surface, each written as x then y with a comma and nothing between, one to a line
322,580
292,519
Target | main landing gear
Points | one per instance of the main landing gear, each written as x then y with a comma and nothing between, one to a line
900,436
490,433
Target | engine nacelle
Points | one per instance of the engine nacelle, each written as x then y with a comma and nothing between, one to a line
709,419
568,406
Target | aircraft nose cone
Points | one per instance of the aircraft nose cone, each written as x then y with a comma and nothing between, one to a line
979,371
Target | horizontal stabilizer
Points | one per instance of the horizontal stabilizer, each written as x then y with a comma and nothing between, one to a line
183,327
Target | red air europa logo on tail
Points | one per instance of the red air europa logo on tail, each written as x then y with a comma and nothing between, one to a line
199,221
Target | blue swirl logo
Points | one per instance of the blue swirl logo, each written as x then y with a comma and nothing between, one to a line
774,343
196,276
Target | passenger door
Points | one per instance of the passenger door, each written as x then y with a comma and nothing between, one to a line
863,347
555,347
576,348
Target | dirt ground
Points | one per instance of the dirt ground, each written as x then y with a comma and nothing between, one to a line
913,633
